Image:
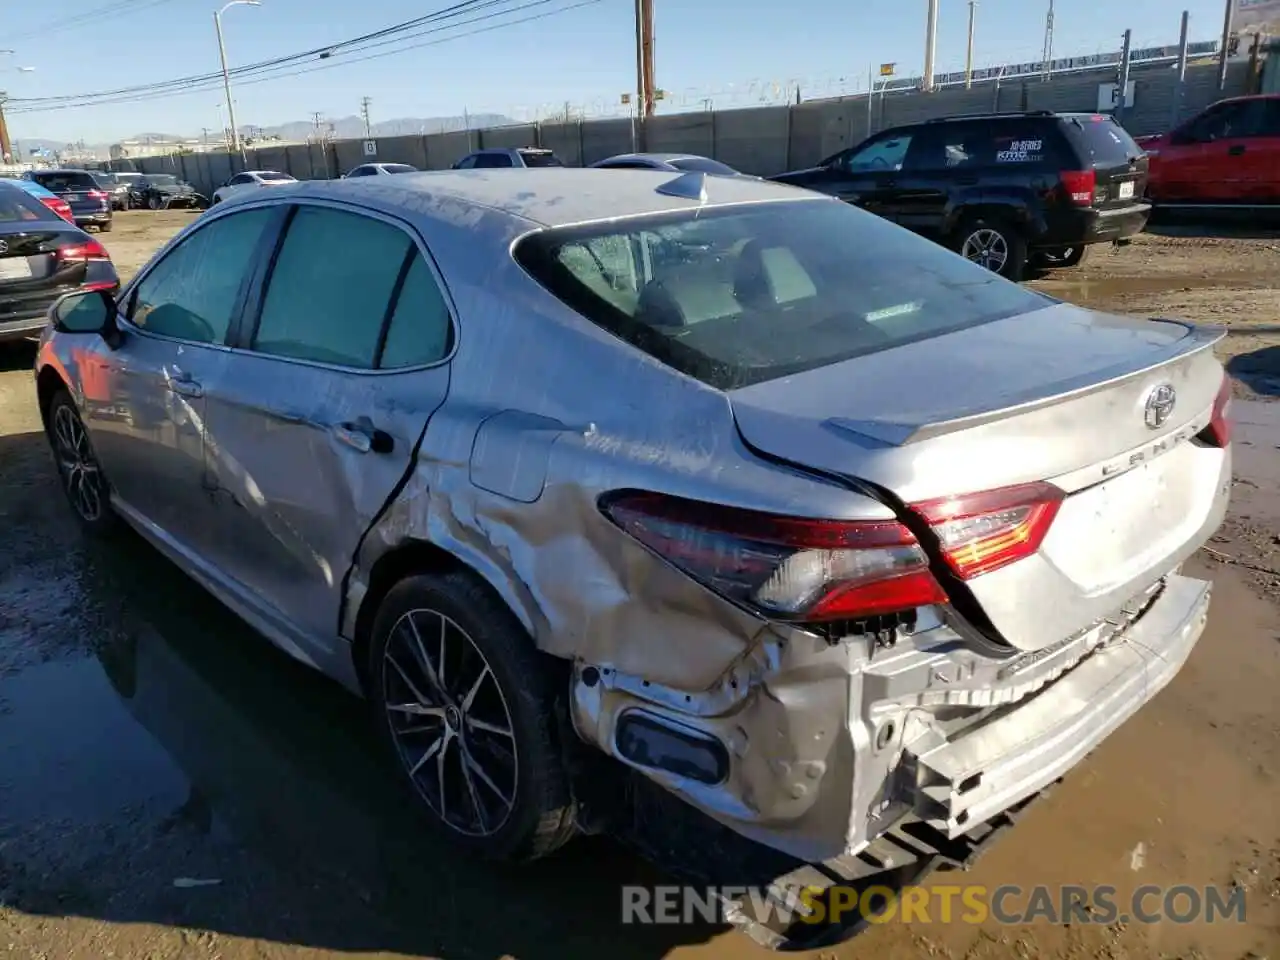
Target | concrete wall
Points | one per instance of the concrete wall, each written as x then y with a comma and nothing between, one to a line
763,141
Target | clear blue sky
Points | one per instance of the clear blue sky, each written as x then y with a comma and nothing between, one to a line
586,56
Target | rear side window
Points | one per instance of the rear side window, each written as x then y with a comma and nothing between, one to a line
65,182
540,158
271,176
491,160
399,168
1102,140
742,295
339,279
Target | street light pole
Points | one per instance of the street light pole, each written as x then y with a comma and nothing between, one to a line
226,75
968,60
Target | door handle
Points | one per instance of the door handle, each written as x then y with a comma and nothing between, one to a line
1236,151
363,437
183,383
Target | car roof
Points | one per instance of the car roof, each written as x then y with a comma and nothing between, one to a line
554,196
665,157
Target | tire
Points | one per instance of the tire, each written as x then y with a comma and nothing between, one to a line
81,477
509,686
105,227
153,203
995,243
1057,259
126,203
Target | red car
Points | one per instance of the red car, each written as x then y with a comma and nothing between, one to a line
1228,154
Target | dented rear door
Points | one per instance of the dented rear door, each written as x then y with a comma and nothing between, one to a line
317,424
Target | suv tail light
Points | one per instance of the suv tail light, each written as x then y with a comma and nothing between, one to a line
97,195
982,532
60,207
86,249
783,567
1218,432
1080,185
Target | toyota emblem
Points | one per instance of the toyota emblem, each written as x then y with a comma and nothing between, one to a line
4,246
1159,407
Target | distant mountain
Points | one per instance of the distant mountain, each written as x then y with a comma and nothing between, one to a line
351,128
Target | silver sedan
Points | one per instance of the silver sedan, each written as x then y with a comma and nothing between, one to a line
708,483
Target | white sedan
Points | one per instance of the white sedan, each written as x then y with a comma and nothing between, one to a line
251,178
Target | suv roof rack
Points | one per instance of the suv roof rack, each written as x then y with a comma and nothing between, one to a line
994,116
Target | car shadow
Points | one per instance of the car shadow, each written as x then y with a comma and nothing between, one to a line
1259,370
166,766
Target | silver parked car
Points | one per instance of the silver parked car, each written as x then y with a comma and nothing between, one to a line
841,539
671,162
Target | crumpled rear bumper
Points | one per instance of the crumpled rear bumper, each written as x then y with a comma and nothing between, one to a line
819,749
989,767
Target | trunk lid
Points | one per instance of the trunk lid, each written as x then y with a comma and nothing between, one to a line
1057,395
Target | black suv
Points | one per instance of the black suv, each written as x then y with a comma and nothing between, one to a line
90,203
1000,189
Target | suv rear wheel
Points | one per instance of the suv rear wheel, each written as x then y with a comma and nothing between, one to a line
994,243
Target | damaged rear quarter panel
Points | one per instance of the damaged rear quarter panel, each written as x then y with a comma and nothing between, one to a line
587,415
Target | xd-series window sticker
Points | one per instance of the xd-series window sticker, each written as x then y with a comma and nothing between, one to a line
1021,151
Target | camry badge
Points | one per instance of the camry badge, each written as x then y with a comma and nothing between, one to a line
1159,406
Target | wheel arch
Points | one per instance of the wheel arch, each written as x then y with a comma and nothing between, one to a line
48,382
1015,214
413,558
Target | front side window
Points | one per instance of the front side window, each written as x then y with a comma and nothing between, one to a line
492,160
331,288
884,155
240,178
466,163
742,295
274,176
359,172
191,294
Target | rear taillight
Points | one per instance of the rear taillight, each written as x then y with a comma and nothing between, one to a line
86,249
982,532
788,568
60,207
1218,432
1080,185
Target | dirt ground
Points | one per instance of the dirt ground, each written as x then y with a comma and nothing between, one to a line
171,787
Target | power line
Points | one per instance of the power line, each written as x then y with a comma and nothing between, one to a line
87,17
446,13
272,73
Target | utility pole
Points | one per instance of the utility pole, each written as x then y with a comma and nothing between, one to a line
931,46
1124,77
650,88
316,118
968,59
1224,53
364,112
1048,41
5,146
1180,93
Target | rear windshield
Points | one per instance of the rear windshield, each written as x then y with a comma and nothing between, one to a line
104,179
741,295
533,158
1104,140
271,176
62,182
16,205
